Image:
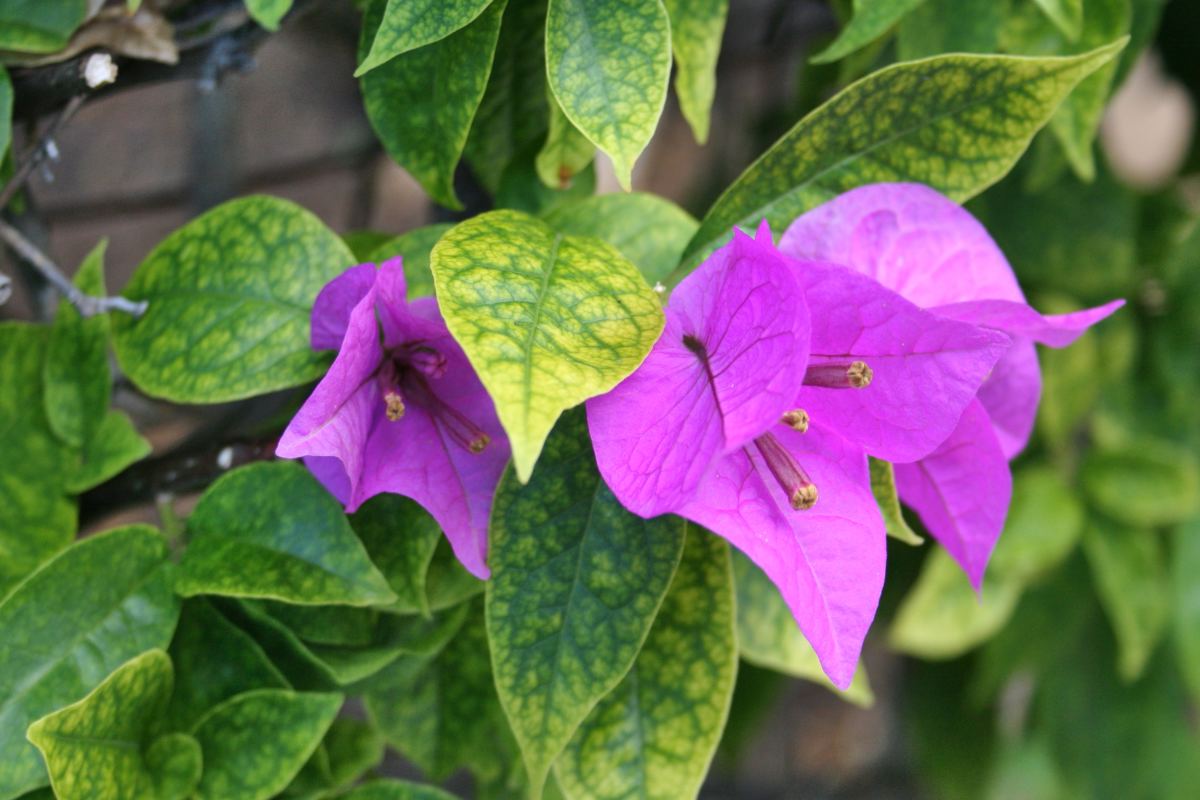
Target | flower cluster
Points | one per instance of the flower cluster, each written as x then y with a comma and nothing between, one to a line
886,323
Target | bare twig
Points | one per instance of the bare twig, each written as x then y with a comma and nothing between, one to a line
87,305
5,288
39,152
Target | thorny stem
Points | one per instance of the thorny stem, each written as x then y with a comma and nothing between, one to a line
87,305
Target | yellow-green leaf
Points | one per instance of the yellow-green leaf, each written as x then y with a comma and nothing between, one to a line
68,626
547,320
268,13
883,486
408,24
576,583
696,30
654,735
957,123
1066,14
229,296
609,62
99,748
872,19
566,151
270,530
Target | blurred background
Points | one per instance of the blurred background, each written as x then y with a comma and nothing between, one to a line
1077,674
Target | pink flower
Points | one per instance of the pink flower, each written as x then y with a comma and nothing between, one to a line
402,412
754,413
925,247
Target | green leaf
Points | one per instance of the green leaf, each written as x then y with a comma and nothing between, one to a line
176,763
942,617
883,486
323,666
270,530
354,747
1144,484
511,119
256,742
522,190
114,446
1076,122
1066,14
415,246
364,242
655,734
769,637
609,62
648,230
1185,566
957,123
39,26
951,26
696,30
406,25
421,104
441,711
566,151
576,582
1128,566
214,660
396,790
229,300
1045,522
547,320
872,19
83,614
37,519
95,746
332,625
401,538
268,13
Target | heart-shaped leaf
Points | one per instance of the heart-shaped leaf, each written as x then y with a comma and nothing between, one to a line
229,299
547,320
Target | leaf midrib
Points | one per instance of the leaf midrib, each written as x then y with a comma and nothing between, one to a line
527,347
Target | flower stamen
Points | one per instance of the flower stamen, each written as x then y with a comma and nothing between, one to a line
389,384
800,490
462,430
796,419
855,375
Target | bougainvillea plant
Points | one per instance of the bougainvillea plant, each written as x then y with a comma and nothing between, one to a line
518,494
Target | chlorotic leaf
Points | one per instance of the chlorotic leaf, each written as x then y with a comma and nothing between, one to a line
268,13
68,626
78,383
421,103
114,446
254,743
654,735
957,123
270,530
942,617
576,583
229,300
696,30
96,744
547,320
415,246
37,519
566,151
769,637
1075,123
214,660
406,25
883,486
39,26
175,762
872,19
1129,569
609,62
648,230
